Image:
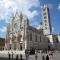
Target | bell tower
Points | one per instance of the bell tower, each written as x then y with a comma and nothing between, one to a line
46,20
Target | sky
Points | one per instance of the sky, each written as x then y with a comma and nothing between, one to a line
32,9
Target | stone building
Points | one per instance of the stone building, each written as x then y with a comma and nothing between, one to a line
54,42
58,37
46,20
47,30
2,43
58,42
21,36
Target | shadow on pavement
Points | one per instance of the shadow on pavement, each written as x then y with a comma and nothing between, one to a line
8,59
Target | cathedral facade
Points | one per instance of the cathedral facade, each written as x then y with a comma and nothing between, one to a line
21,36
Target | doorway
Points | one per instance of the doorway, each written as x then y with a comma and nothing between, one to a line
21,46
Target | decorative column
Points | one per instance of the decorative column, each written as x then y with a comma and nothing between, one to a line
11,41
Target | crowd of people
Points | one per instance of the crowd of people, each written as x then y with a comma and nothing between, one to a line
43,57
27,53
10,56
47,57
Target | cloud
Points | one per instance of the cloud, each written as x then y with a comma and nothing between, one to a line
31,14
38,27
9,7
58,7
3,29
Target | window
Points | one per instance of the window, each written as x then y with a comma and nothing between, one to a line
16,25
30,37
57,40
21,28
35,38
45,27
45,24
44,13
45,17
45,20
40,38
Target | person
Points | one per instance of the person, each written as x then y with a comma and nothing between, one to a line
26,51
12,54
51,53
27,56
47,57
20,56
43,58
9,55
17,57
36,56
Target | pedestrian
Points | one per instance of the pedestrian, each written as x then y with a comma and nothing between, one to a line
36,56
51,53
47,57
43,58
9,56
20,56
27,56
17,57
26,51
12,54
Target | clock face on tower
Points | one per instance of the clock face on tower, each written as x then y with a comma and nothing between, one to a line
17,26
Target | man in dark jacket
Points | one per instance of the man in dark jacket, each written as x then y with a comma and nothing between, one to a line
47,57
9,55
43,58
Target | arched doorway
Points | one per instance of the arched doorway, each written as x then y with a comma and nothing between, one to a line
10,47
21,46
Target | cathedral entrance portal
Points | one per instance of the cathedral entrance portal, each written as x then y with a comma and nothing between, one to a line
10,47
21,46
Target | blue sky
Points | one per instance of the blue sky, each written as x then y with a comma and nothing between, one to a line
32,9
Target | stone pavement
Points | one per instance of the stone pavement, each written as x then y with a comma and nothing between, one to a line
56,56
5,59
